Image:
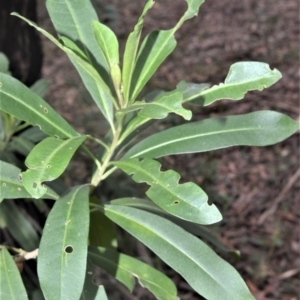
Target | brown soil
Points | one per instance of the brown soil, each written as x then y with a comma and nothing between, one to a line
256,188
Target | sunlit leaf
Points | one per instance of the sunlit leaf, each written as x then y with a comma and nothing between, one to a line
125,268
242,77
47,161
12,186
259,128
186,201
131,49
11,285
63,247
206,272
156,46
18,100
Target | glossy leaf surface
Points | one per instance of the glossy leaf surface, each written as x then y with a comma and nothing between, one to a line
94,83
12,186
11,285
206,272
19,226
131,50
259,128
186,201
242,77
47,161
63,247
156,46
125,268
18,100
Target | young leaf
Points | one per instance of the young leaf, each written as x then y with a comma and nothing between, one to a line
206,272
242,77
63,247
155,48
18,226
47,161
95,84
12,186
11,284
131,49
108,43
259,128
18,100
125,268
186,201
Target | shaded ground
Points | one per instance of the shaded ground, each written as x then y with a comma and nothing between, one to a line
256,188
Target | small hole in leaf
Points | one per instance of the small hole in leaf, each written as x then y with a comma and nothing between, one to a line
19,189
48,166
69,249
56,136
45,110
20,177
34,185
176,202
4,184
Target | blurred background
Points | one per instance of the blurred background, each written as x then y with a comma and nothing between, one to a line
257,189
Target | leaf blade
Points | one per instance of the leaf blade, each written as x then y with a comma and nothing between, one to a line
207,273
259,128
186,201
63,247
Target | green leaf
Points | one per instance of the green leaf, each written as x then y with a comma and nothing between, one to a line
63,247
206,272
108,43
155,48
18,100
40,87
242,77
191,90
193,228
259,128
33,134
4,64
125,268
95,84
12,186
19,227
131,49
91,291
47,161
20,145
102,230
186,201
11,284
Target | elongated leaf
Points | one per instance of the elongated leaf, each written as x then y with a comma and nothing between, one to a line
165,104
242,77
91,291
11,285
47,161
108,43
186,201
125,268
12,186
63,247
19,227
155,48
259,128
131,49
195,229
191,90
204,270
18,100
95,84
